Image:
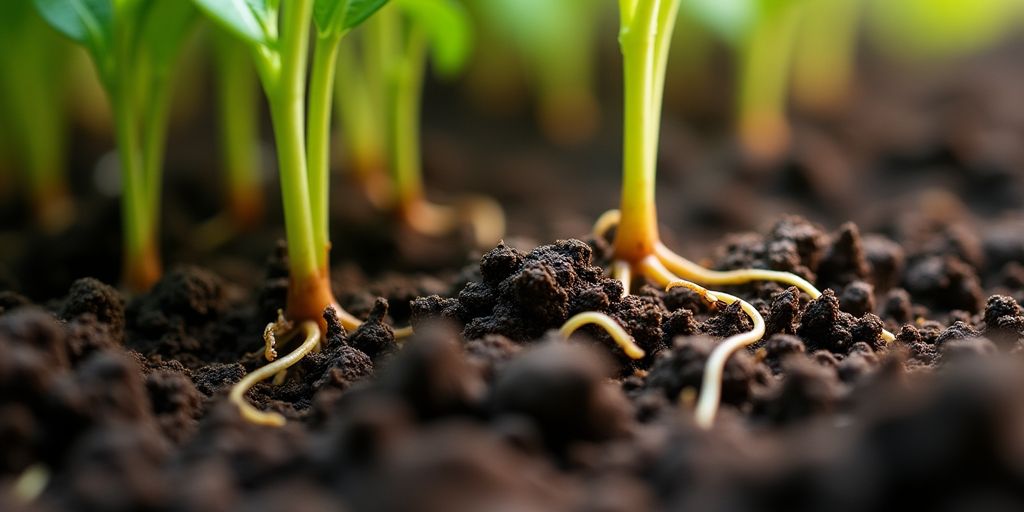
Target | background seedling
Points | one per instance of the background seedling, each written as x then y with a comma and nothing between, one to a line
555,42
33,108
395,49
134,46
826,50
238,116
646,30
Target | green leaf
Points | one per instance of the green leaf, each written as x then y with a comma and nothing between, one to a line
252,20
88,22
447,25
165,25
341,15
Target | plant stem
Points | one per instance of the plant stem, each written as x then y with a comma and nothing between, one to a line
154,143
644,41
318,133
285,84
358,104
824,60
239,130
406,87
141,257
764,77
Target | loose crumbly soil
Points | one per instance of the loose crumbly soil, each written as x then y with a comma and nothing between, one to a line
122,401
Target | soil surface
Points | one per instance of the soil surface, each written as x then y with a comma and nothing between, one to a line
906,210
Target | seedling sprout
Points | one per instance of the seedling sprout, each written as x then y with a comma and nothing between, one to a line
278,34
390,75
33,105
645,33
134,47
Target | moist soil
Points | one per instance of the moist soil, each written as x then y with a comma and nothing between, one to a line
121,401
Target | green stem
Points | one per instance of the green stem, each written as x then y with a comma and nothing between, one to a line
239,129
321,85
406,90
154,145
358,107
824,60
285,84
644,41
764,76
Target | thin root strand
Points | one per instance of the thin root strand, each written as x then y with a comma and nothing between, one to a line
621,337
238,391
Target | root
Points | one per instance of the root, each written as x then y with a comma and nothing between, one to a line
711,386
277,367
621,337
667,264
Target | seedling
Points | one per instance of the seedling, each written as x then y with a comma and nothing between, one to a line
238,114
763,33
556,41
32,100
646,29
389,80
277,35
134,46
825,53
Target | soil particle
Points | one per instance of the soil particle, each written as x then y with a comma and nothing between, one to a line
886,261
785,308
808,389
944,282
1004,321
490,354
215,378
459,467
730,321
857,298
792,245
563,389
432,376
958,331
824,326
175,317
89,296
779,347
961,349
36,330
125,457
374,337
845,260
549,283
176,403
897,307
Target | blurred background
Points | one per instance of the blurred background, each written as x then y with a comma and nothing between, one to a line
887,113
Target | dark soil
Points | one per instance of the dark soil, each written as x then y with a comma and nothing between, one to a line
121,401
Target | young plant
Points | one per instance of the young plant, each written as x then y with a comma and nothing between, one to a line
556,41
278,36
766,54
391,72
826,51
134,45
763,33
238,114
646,29
32,101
